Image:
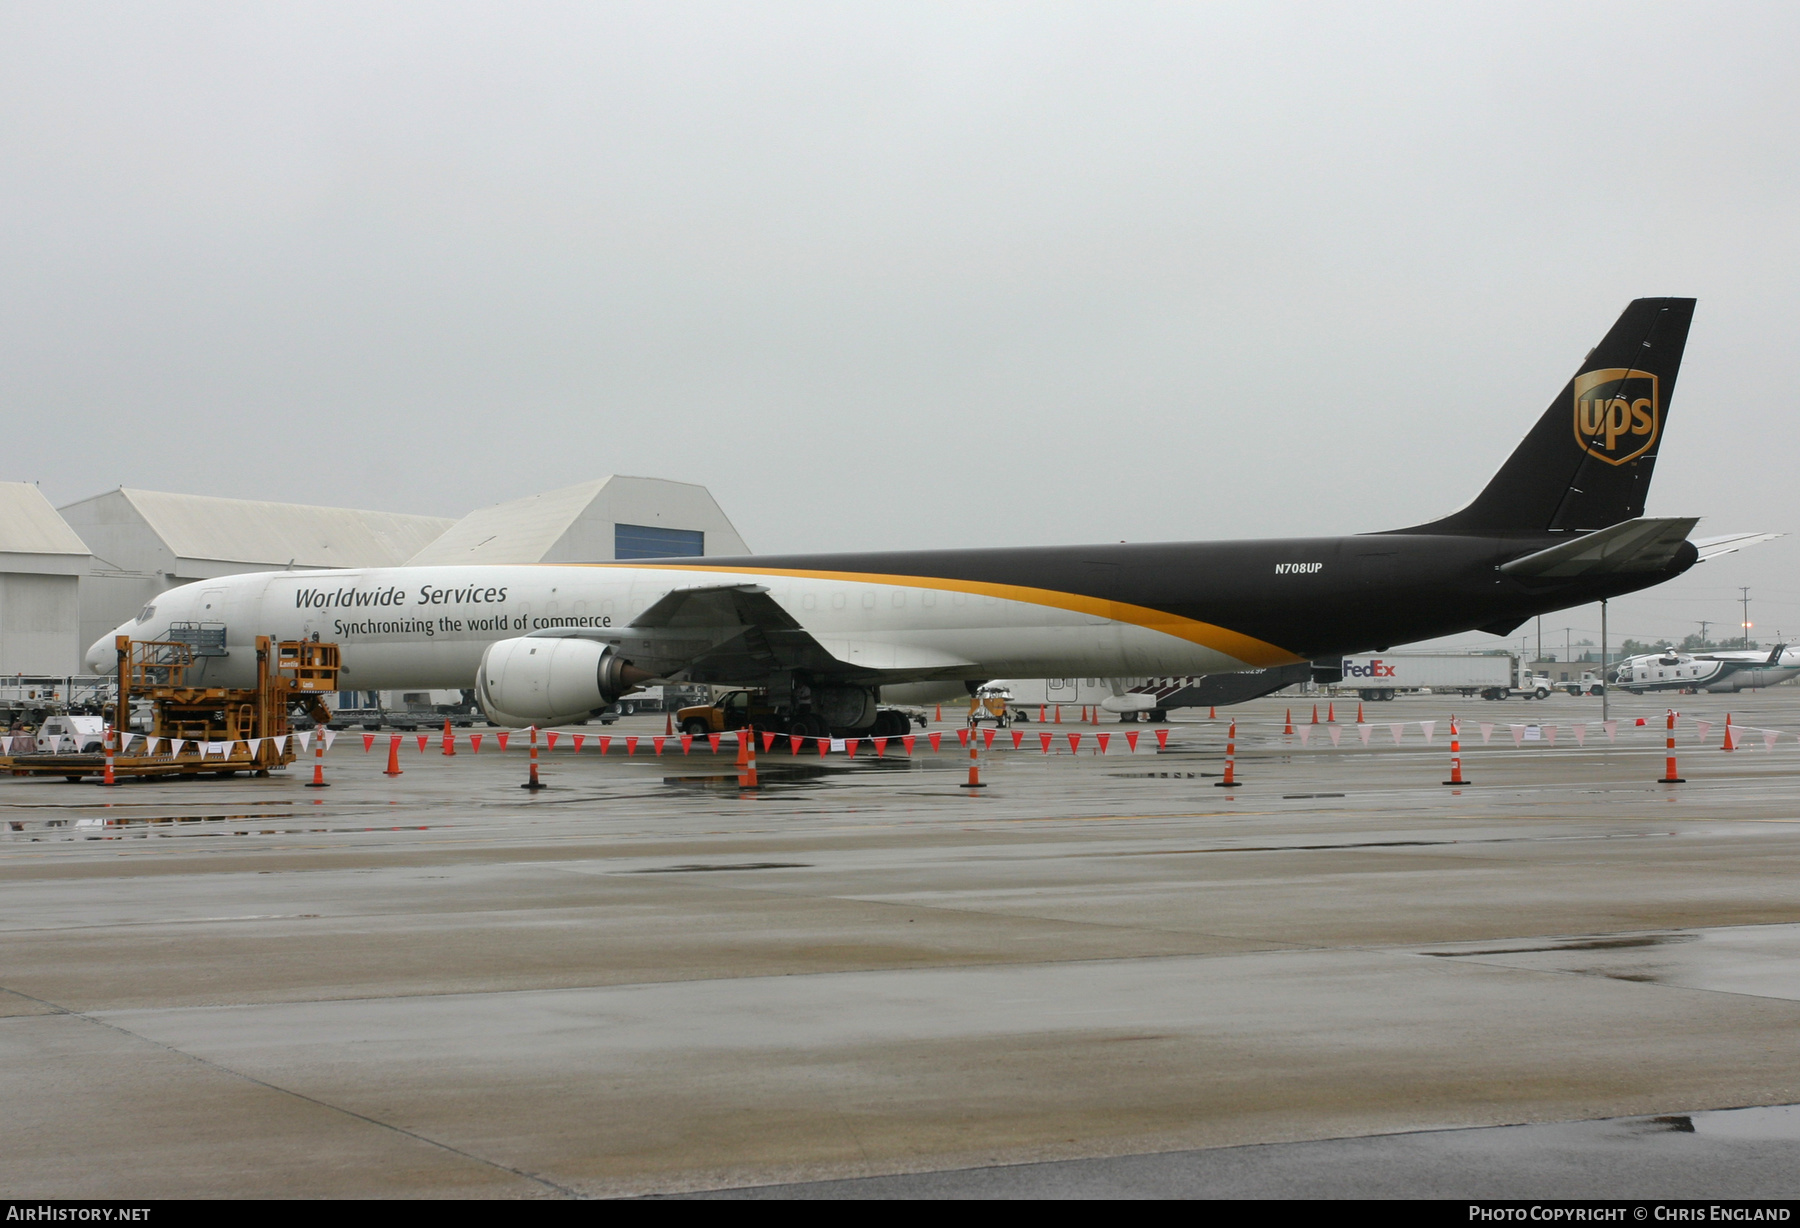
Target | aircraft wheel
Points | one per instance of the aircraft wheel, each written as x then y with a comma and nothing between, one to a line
1158,716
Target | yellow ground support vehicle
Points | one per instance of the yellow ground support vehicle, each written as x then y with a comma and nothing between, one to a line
991,703
732,710
203,730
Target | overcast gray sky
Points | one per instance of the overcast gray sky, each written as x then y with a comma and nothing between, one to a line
894,275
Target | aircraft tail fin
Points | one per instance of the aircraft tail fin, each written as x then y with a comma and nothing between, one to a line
1587,463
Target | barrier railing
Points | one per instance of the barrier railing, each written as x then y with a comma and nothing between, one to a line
1670,730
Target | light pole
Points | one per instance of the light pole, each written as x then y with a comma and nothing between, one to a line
1745,589
1605,678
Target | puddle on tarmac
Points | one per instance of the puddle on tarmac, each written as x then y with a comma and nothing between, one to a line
784,776
112,805
1771,1122
787,775
1578,944
1760,961
1174,776
709,869
136,827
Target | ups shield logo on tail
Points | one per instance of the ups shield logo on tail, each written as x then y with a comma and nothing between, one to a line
1618,414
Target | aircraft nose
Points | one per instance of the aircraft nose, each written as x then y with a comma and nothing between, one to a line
103,656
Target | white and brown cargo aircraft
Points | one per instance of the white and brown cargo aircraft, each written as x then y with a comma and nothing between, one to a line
1560,525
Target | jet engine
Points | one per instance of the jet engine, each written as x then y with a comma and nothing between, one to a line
845,707
542,680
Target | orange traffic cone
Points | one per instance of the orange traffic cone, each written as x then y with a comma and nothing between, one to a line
1456,776
393,767
449,738
1730,740
534,782
1331,714
746,759
669,725
109,779
1289,728
1669,776
1230,759
318,781
1315,719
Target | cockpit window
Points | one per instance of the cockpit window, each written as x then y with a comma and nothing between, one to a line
147,613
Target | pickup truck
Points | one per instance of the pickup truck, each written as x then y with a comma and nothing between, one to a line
732,710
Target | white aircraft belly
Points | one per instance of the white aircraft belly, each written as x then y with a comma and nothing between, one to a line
397,630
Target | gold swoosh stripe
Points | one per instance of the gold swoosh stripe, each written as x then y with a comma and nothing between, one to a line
1234,644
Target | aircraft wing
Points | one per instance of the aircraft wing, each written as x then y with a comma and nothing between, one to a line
1731,543
727,632
1646,544
715,606
882,655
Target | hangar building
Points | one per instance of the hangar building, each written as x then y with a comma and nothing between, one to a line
144,542
42,561
614,517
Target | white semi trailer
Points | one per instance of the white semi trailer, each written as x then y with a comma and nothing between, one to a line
1382,676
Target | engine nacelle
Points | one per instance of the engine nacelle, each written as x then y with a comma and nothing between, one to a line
845,707
543,680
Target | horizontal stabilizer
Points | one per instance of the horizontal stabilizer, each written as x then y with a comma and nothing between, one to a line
1633,545
1731,543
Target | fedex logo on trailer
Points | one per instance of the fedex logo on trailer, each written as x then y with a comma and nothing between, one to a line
1374,669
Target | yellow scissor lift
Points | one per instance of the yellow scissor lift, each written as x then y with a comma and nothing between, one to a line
204,718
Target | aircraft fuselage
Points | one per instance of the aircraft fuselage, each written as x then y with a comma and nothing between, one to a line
1114,610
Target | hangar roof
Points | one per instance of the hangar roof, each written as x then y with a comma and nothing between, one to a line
578,524
248,531
29,525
